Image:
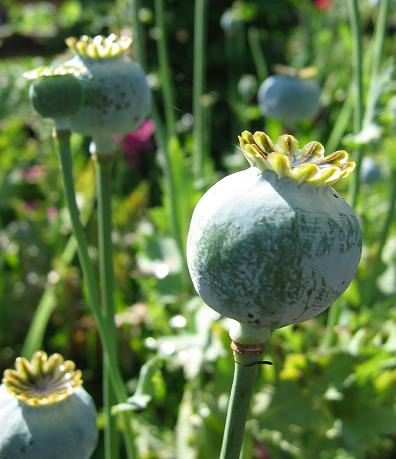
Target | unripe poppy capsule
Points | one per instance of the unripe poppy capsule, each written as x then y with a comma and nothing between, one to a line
290,96
55,92
117,95
275,244
45,411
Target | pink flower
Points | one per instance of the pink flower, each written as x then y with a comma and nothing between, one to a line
52,213
30,207
323,4
33,174
136,142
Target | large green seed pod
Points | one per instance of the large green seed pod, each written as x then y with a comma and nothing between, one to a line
117,95
275,244
46,413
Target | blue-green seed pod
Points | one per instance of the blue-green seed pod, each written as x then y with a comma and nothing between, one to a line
289,97
231,21
117,95
55,92
247,87
45,411
371,171
275,244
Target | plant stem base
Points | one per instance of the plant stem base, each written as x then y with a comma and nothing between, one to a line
247,364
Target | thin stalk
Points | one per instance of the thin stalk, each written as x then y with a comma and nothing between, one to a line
232,80
368,116
164,70
333,317
257,54
358,84
238,406
198,85
138,33
160,134
335,311
380,32
104,188
385,231
389,218
341,124
35,336
66,163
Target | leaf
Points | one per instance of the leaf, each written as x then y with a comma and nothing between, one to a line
147,388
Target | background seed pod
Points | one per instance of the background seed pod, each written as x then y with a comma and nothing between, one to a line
289,98
49,415
371,171
117,96
57,96
63,430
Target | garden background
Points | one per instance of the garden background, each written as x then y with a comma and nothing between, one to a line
331,392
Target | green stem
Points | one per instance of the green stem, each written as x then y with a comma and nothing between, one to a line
232,81
389,219
66,163
376,263
164,70
368,116
380,31
333,316
198,85
160,134
238,407
257,54
35,336
104,188
341,124
138,31
358,84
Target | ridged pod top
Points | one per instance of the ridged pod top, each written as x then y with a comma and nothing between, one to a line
287,159
303,74
43,380
52,71
99,47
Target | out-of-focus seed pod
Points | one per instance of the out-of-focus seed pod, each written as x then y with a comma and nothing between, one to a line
247,87
55,92
45,411
290,97
117,96
371,171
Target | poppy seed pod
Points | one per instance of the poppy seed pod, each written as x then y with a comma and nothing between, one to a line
55,92
290,96
48,414
117,95
371,171
275,244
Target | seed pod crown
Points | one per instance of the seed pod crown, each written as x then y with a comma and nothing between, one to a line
287,159
43,380
99,47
